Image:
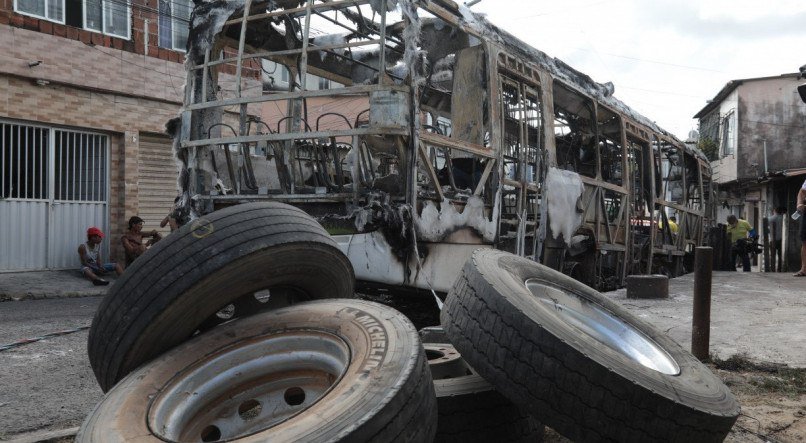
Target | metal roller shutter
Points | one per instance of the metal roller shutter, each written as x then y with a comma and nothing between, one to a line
157,180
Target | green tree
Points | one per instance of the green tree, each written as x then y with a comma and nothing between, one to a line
709,147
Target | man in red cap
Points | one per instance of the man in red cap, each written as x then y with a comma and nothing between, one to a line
92,267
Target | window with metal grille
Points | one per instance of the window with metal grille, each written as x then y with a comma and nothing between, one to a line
33,158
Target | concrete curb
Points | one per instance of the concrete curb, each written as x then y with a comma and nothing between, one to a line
42,285
12,296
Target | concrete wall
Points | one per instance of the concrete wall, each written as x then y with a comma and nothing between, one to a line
771,109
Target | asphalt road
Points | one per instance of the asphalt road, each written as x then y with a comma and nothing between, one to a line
45,385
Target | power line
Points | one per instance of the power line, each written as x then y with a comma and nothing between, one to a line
127,5
659,92
657,62
560,11
170,76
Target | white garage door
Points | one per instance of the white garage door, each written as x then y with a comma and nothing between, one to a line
53,186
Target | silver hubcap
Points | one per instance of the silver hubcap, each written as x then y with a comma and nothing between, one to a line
249,386
603,326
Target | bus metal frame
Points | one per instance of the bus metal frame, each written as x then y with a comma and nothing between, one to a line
470,138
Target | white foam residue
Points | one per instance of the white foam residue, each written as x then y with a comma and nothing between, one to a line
399,70
411,35
219,15
563,189
434,224
331,40
362,216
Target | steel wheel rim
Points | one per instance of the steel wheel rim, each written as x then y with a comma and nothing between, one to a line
249,386
444,362
602,326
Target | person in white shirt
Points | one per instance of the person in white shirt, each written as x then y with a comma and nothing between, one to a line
776,238
92,266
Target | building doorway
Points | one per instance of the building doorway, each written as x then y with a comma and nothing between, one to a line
54,184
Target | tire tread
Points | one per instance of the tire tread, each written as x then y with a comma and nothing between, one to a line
558,384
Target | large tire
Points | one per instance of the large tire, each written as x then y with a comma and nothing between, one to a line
531,343
327,370
470,410
179,284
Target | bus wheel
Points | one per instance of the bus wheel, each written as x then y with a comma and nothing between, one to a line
214,264
578,362
326,370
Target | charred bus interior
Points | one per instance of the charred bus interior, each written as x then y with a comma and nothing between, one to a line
418,132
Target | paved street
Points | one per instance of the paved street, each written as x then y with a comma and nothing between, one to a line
762,315
46,384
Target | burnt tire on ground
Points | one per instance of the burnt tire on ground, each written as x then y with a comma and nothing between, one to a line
326,370
470,410
572,358
223,259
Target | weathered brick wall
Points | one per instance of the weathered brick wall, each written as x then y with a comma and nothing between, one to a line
144,22
58,104
72,62
136,44
119,204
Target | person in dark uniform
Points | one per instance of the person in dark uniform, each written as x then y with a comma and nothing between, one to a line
800,206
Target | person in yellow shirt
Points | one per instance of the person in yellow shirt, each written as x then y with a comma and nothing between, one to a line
738,231
673,225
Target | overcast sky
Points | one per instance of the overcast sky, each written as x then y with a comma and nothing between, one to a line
665,57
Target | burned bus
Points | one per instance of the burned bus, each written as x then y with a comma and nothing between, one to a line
417,132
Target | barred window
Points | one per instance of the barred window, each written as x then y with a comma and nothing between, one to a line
33,157
24,162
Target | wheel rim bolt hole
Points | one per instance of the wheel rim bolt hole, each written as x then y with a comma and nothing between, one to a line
294,396
249,409
211,433
433,354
